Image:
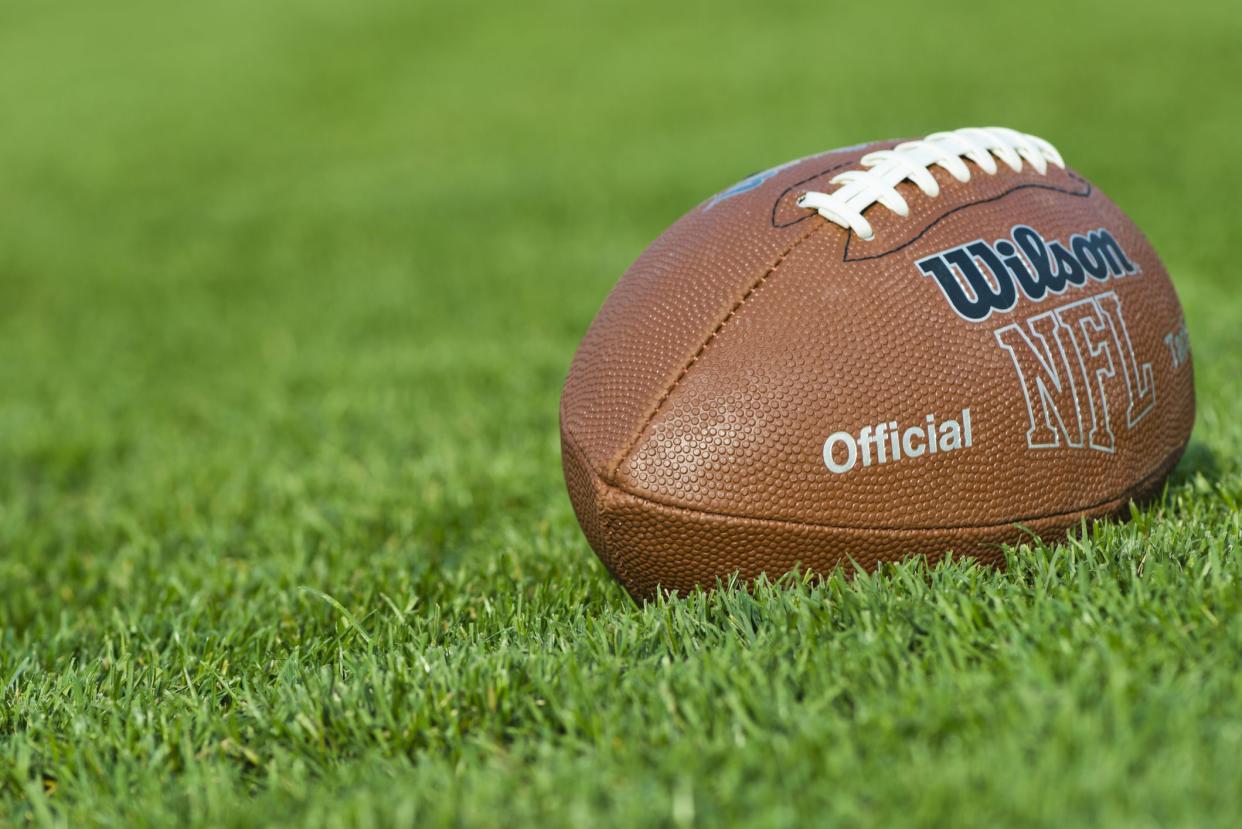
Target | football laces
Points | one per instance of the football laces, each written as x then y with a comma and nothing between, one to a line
912,161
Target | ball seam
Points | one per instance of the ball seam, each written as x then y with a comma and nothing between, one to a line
613,470
1160,470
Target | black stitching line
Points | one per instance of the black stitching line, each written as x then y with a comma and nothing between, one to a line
798,184
845,255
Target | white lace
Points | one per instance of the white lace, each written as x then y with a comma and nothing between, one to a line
912,161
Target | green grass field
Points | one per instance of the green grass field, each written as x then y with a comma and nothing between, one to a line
287,294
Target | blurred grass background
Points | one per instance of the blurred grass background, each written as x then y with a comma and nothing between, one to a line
287,292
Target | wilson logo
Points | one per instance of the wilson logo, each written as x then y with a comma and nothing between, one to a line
978,278
1076,366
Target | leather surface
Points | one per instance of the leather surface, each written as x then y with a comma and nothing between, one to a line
696,409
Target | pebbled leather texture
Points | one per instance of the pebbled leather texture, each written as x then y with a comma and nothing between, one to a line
695,413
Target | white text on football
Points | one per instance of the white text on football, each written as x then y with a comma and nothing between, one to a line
888,442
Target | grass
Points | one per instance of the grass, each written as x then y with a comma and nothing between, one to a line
287,292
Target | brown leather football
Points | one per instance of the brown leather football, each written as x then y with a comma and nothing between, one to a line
892,349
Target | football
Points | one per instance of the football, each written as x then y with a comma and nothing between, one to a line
901,348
